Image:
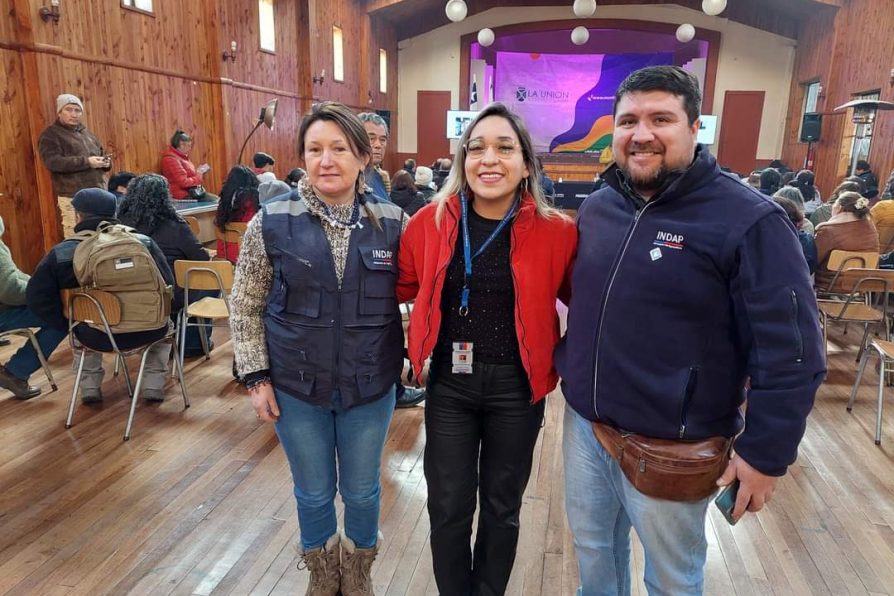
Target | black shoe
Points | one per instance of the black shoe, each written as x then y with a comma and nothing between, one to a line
19,388
410,398
91,396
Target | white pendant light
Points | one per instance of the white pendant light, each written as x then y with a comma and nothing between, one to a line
579,36
486,37
712,8
456,10
685,32
584,8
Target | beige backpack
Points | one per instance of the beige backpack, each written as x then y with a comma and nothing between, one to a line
115,260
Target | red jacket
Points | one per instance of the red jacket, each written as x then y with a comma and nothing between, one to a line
541,254
181,174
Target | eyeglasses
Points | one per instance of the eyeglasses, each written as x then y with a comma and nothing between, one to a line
504,149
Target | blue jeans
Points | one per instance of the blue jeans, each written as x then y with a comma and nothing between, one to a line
312,437
602,506
25,360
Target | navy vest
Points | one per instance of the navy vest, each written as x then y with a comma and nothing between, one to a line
321,337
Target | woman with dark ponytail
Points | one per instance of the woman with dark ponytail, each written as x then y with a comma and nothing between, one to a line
239,201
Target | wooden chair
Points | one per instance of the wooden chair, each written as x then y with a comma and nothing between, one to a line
854,308
29,335
102,309
885,351
842,260
202,275
231,236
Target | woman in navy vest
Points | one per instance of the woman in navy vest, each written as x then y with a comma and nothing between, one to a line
318,339
485,262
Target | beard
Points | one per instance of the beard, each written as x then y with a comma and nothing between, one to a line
649,181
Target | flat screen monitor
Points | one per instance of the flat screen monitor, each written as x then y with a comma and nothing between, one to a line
707,130
457,121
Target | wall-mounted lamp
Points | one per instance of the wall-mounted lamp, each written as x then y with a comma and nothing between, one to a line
891,81
231,53
369,97
319,79
820,90
50,13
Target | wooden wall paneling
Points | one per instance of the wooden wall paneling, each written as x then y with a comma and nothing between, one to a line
851,52
281,142
19,199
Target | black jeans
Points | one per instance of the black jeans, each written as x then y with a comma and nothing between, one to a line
480,434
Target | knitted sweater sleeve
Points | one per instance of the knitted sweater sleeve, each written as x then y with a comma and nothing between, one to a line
254,277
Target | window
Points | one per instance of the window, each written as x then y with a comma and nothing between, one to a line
267,29
143,5
383,71
338,57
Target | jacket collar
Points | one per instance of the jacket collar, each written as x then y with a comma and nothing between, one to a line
93,222
701,171
525,213
177,152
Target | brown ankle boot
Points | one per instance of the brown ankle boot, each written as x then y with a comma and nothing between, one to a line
356,565
323,564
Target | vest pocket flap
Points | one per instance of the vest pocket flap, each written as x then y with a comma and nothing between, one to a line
379,258
379,278
370,382
304,299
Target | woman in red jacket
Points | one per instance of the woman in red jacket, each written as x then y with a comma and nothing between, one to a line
485,262
182,175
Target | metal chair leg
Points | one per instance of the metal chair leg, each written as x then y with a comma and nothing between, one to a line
43,361
130,388
179,371
118,360
136,394
182,339
74,392
863,342
881,399
203,337
824,321
175,352
863,361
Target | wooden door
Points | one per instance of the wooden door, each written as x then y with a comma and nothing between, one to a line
431,126
739,130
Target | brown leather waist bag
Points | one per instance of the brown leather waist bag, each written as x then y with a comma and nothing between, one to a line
664,468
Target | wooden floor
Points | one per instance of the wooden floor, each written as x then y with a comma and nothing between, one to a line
199,501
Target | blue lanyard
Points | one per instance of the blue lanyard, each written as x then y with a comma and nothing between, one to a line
467,248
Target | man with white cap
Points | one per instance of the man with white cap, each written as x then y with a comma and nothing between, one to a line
73,155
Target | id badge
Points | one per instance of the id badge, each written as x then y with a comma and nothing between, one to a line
462,358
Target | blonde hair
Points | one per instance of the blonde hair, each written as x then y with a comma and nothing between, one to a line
853,202
456,181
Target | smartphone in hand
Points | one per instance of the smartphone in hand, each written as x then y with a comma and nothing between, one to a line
726,501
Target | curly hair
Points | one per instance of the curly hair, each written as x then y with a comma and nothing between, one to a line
240,190
147,203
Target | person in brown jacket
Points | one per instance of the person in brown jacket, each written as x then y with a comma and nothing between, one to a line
73,155
849,228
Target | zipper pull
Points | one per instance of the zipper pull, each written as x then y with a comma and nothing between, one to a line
682,430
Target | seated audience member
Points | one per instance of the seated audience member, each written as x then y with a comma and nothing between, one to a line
148,208
546,183
867,176
754,179
56,272
824,211
770,181
888,192
804,182
410,167
793,194
849,228
404,193
796,216
263,167
15,314
424,181
271,189
118,184
442,171
184,178
780,167
239,201
295,176
787,178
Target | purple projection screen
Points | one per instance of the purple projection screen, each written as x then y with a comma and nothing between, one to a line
566,99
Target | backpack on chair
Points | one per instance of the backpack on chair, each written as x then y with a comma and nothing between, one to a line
115,259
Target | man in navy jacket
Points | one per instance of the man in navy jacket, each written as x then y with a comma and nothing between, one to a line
687,284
